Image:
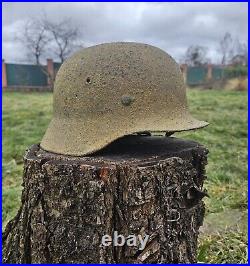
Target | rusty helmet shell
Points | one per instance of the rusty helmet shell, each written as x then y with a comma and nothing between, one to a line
110,90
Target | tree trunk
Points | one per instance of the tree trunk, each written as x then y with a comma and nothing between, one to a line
137,185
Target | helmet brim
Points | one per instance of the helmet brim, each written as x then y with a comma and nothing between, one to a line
75,138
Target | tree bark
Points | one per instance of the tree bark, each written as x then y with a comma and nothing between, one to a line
136,185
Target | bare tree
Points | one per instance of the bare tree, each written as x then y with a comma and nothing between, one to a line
233,50
35,38
226,48
242,49
240,53
196,55
64,35
40,36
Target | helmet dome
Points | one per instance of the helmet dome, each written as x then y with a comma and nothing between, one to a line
110,90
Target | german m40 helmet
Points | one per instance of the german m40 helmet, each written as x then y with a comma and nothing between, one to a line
107,91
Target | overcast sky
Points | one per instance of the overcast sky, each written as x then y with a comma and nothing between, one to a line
170,26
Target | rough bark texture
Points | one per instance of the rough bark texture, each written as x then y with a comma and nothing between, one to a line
137,185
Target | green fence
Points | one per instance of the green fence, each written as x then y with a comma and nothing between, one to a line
217,73
25,75
196,75
35,76
56,66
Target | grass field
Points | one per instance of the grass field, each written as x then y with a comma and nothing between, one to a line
224,238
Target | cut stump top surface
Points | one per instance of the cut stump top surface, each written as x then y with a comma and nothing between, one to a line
129,149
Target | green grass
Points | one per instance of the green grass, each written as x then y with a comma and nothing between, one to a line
229,247
26,116
226,139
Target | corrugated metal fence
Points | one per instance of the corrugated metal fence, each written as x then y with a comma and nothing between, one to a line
196,75
217,73
200,75
26,75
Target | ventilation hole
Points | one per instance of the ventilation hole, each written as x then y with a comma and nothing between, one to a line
88,80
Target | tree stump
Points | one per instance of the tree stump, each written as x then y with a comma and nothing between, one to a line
136,185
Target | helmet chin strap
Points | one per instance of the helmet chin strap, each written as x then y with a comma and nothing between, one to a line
147,133
168,134
144,133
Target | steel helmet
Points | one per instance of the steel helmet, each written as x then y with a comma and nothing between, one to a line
107,91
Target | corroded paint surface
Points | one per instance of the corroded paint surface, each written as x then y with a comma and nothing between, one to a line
110,90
